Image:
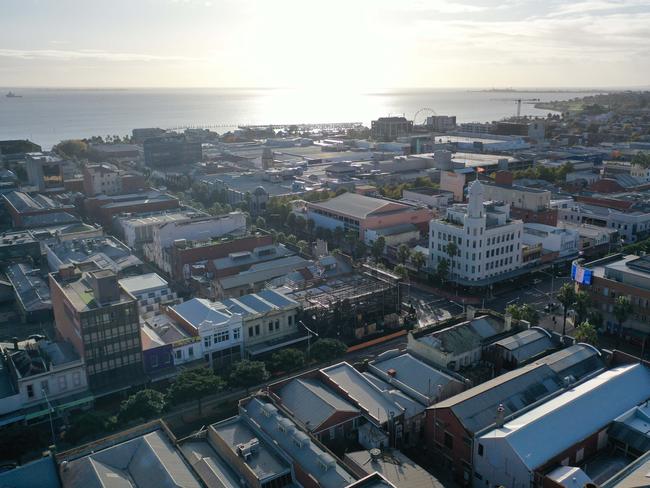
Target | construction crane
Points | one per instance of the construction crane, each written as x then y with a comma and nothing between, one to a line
518,101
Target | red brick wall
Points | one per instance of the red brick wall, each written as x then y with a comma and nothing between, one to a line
132,183
181,257
448,422
546,217
605,202
105,215
590,446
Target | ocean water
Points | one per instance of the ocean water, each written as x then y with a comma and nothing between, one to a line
47,116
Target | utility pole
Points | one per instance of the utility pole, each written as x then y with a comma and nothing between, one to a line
50,410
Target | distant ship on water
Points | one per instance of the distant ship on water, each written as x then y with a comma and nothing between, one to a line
13,95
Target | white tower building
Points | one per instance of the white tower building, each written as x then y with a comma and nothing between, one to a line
487,241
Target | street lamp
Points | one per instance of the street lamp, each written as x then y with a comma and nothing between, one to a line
50,409
309,333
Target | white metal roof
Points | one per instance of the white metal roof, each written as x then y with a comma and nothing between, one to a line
549,429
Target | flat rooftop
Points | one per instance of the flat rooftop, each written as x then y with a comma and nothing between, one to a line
141,283
80,293
266,462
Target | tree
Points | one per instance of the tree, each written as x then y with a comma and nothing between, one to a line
403,253
377,248
523,312
452,251
301,225
291,221
86,425
287,360
581,306
311,225
401,270
303,246
338,234
327,350
442,270
72,148
248,373
566,296
260,222
194,384
622,311
585,332
360,250
419,260
145,404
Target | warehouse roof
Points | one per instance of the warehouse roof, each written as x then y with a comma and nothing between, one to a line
527,343
146,461
312,403
362,391
476,408
554,426
358,206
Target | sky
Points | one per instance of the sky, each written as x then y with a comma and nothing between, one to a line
336,44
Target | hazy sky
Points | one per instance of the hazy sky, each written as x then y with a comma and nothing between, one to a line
364,44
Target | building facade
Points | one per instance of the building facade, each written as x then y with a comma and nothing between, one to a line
488,242
101,322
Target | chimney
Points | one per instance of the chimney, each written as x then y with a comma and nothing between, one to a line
470,312
501,413
15,341
392,372
504,178
507,322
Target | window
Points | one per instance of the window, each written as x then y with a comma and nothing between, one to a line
289,320
277,324
449,441
179,354
250,332
30,391
236,333
207,341
222,336
480,449
63,383
257,329
270,326
190,351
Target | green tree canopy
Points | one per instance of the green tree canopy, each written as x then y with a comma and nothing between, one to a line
72,148
194,384
419,260
566,296
248,373
145,404
287,360
377,248
403,253
327,350
585,332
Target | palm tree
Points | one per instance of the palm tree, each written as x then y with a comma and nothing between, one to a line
567,297
585,332
452,250
622,311
419,260
403,253
581,306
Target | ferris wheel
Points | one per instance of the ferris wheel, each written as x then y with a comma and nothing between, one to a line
421,115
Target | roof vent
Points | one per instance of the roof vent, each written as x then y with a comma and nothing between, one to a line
375,454
247,449
392,372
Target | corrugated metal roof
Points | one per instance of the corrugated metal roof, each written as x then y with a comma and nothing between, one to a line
547,430
355,205
312,403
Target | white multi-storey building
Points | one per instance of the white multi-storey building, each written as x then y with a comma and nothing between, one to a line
487,240
632,225
640,171
151,291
